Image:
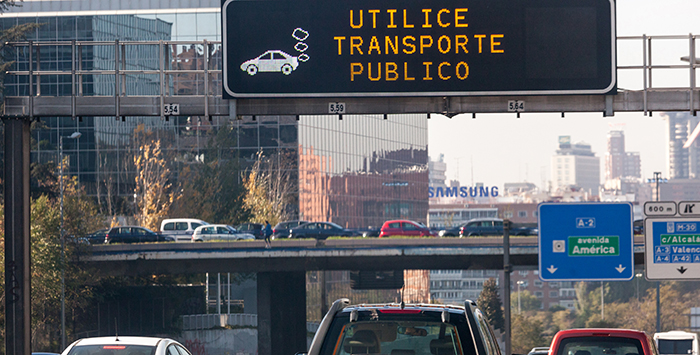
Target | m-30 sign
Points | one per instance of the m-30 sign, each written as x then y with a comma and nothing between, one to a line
311,48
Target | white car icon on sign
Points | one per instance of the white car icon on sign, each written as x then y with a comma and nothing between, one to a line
271,61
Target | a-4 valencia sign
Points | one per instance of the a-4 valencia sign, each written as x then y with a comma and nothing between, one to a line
672,248
585,241
345,48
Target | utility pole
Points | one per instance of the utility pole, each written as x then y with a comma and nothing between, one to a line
507,268
657,180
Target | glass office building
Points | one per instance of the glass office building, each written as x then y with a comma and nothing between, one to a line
357,172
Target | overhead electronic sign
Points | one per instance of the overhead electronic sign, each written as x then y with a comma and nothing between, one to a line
363,48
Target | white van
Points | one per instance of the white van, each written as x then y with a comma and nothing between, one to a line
676,342
180,228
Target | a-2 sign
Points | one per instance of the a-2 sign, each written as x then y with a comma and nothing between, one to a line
586,241
368,48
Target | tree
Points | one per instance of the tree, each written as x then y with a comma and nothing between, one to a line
270,186
210,190
489,302
526,334
528,302
152,192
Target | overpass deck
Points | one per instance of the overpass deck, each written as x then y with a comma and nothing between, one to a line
306,255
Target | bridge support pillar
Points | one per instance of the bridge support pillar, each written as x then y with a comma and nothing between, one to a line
17,261
281,313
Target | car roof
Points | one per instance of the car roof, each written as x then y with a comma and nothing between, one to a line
130,227
484,219
401,220
409,307
212,225
601,331
147,341
183,220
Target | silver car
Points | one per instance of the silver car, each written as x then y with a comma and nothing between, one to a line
219,232
115,345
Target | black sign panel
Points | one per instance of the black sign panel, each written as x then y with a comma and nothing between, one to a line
355,48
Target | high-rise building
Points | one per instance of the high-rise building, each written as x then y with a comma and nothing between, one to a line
615,156
437,169
683,163
618,162
358,171
576,166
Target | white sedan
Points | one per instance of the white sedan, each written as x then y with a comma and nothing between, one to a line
271,61
219,232
116,345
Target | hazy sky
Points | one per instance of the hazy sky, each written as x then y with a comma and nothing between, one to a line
498,148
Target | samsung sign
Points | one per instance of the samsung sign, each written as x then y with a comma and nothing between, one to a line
369,48
463,191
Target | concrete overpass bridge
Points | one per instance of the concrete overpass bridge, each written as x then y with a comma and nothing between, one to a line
299,256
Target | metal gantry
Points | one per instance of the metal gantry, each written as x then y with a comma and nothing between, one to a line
635,94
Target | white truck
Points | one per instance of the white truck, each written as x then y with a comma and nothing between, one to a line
676,342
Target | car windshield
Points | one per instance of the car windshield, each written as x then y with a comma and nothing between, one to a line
112,350
335,225
600,346
399,338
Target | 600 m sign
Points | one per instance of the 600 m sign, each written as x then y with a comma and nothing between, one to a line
313,48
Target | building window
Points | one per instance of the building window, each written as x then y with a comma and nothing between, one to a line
523,272
553,284
539,294
553,294
539,283
522,214
507,214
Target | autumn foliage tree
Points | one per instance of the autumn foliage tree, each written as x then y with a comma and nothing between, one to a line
153,192
269,186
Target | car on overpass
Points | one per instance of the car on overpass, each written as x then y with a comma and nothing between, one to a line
403,329
321,230
126,345
219,232
255,229
281,229
492,226
403,227
134,234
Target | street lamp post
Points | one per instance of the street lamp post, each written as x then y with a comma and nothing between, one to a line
75,135
519,284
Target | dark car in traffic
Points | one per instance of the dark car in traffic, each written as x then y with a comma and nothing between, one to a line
404,329
134,234
97,237
492,226
255,229
320,230
281,230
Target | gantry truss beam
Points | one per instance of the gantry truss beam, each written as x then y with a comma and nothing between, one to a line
624,101
166,67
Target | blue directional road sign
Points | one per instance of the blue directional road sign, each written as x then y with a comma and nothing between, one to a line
586,242
672,248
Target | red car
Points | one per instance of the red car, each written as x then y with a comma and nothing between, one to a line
404,228
602,341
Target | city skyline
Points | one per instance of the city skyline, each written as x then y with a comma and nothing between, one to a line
499,148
